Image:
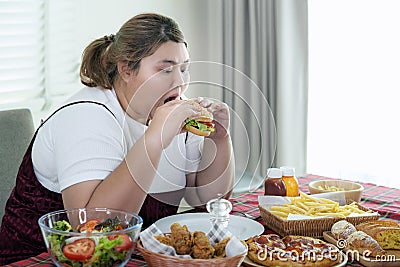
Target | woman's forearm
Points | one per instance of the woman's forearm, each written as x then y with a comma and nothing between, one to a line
217,169
132,179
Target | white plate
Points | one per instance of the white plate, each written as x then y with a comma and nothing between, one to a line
241,227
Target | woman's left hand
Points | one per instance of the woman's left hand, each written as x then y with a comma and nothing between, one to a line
220,111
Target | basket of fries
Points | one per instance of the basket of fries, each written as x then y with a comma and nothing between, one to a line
311,216
184,248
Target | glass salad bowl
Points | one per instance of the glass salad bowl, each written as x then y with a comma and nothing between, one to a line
90,236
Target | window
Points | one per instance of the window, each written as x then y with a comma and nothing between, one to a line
22,49
39,59
354,90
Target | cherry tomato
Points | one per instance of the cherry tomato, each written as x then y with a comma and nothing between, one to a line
118,227
126,242
79,250
89,225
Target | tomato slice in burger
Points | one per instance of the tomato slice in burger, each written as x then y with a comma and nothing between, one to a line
79,250
209,124
89,225
126,243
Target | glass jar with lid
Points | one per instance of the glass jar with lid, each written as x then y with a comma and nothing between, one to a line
273,184
219,209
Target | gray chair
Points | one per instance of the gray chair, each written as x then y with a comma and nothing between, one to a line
16,132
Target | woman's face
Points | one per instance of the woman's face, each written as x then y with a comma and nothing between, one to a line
161,77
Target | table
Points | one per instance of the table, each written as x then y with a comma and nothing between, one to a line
378,198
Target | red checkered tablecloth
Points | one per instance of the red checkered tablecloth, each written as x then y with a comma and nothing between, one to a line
382,199
45,261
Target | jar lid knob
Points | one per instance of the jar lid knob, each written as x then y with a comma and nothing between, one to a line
287,171
274,173
219,209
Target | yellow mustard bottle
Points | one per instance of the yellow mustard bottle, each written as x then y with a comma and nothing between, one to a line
290,180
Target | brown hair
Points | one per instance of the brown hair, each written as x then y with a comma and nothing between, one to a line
139,37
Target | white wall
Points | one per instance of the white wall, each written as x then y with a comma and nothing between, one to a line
98,18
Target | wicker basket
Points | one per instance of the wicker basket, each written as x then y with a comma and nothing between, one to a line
311,227
157,259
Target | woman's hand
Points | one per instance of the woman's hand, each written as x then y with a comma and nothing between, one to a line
220,111
169,119
216,170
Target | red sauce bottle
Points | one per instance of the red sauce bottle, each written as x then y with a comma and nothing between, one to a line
274,185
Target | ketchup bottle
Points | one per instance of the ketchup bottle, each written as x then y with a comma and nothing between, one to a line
274,185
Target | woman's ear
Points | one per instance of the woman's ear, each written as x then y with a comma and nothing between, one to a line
124,70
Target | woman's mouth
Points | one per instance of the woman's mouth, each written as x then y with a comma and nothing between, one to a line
171,98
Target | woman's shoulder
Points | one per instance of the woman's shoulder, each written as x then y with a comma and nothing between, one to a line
95,103
80,123
106,97
89,108
92,93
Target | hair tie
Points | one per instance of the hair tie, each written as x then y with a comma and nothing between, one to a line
109,38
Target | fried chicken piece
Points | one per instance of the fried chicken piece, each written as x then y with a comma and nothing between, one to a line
181,239
164,239
220,248
202,248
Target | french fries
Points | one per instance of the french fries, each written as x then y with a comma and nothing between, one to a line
330,188
313,206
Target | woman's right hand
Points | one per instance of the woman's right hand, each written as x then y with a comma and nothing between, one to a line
168,120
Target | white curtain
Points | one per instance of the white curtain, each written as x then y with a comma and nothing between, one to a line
267,41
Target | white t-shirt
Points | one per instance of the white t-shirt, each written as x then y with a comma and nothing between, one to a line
86,141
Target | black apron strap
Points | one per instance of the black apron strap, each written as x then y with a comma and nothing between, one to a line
74,103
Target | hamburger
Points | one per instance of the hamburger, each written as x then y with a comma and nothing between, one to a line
203,124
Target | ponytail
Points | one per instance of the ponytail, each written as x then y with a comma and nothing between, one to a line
95,64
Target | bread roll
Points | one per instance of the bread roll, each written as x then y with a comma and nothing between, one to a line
387,223
342,229
364,244
386,232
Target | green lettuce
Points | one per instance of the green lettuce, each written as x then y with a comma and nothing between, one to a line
198,125
104,254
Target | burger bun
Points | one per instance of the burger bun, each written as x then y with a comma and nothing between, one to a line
196,131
